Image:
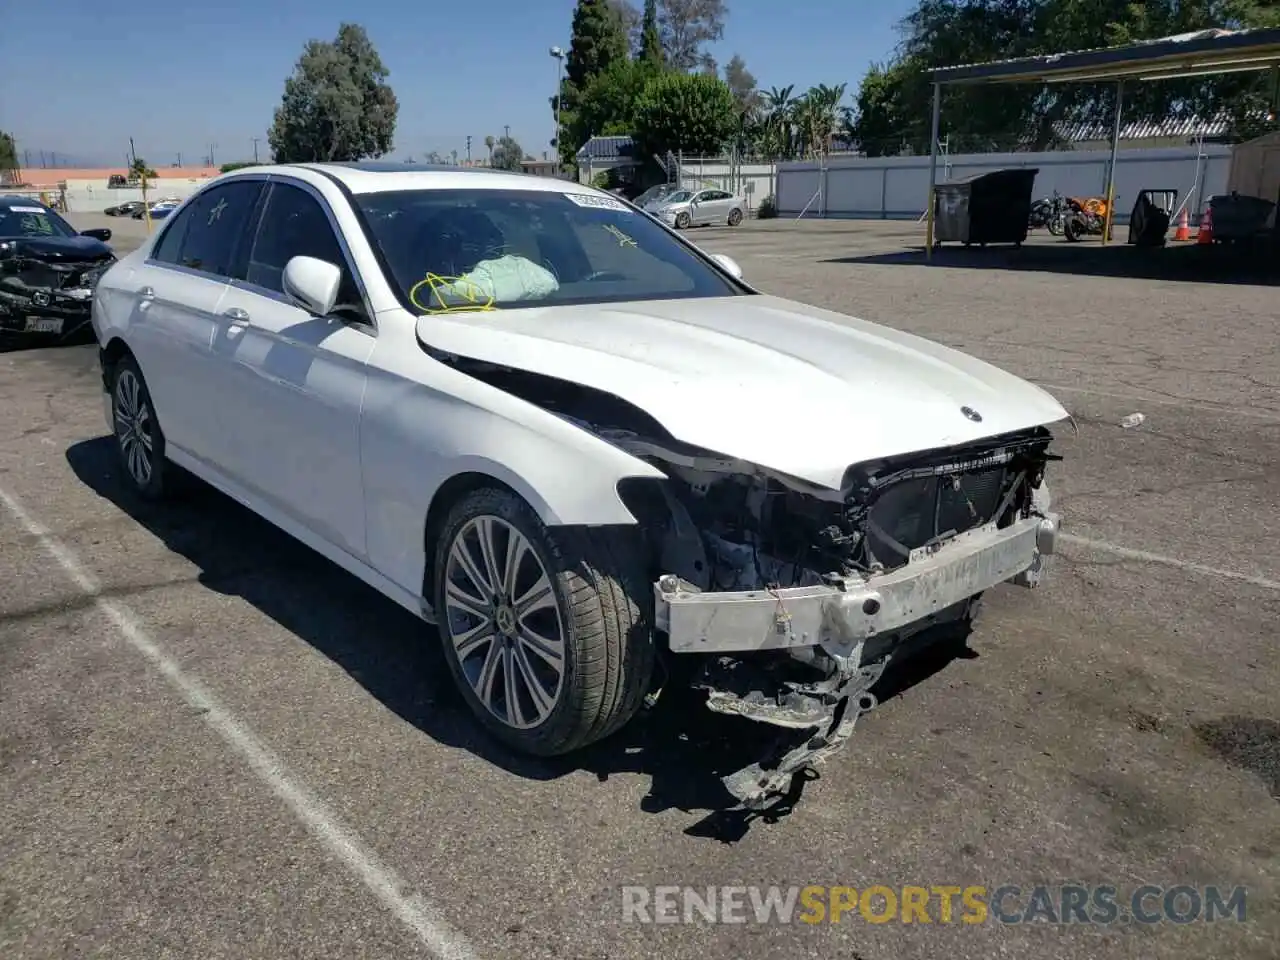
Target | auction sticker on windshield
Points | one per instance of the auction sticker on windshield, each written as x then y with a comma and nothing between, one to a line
597,203
27,209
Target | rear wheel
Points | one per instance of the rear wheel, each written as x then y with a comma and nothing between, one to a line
547,632
735,217
139,440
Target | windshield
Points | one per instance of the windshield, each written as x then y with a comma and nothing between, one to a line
680,196
32,220
463,250
653,193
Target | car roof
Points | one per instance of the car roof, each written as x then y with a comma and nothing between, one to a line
12,201
381,176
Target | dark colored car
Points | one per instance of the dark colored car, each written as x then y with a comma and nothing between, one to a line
48,271
126,209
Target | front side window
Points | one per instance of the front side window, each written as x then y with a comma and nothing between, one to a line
460,250
294,224
206,235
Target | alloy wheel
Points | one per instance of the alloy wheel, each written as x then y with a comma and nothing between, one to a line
504,623
134,427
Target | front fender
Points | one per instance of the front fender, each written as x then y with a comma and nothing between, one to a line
414,439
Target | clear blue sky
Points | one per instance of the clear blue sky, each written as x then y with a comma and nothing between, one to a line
184,74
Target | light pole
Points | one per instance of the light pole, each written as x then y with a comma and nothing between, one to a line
558,54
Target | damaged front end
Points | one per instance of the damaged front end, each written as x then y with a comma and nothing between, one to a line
793,597
46,286
796,597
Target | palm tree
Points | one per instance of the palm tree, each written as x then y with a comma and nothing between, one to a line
818,116
489,142
776,121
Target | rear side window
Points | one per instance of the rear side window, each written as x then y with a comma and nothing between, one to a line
206,235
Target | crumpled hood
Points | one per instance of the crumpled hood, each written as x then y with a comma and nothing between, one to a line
800,390
57,248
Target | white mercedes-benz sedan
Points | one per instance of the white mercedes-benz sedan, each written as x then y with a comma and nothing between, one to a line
585,449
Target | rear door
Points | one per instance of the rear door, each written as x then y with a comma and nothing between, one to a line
719,204
175,295
702,210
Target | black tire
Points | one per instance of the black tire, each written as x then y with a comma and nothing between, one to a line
683,220
1072,229
137,431
735,217
602,606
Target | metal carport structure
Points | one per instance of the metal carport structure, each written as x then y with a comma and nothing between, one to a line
1185,55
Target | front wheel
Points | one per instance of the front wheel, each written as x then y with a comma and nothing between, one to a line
682,221
139,440
547,632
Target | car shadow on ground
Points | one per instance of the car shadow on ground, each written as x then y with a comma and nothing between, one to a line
1219,263
682,747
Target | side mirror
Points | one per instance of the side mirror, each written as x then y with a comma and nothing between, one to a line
98,233
728,265
312,284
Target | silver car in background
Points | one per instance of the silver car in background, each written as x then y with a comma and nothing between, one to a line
698,208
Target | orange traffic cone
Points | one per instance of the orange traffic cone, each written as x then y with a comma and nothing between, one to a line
1206,227
1184,227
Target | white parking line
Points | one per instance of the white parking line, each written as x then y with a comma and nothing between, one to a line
435,933
1130,554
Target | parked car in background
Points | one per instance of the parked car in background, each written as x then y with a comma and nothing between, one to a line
651,196
158,210
48,271
126,209
574,442
698,208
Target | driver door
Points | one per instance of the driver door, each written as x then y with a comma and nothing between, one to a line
295,381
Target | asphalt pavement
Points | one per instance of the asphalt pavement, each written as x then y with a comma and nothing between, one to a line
214,743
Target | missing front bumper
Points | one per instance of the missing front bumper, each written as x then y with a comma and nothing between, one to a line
936,586
840,617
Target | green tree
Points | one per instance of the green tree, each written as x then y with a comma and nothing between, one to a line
139,169
238,165
337,105
746,100
629,19
893,102
650,46
507,154
693,113
608,106
599,38
488,145
687,26
8,156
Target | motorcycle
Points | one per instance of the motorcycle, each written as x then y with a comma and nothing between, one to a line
1084,218
1049,213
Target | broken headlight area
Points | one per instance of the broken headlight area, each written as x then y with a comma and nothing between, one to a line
46,296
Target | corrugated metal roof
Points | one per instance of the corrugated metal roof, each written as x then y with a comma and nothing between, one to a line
1199,52
1183,126
607,148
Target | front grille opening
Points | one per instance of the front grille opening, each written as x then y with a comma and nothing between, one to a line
926,510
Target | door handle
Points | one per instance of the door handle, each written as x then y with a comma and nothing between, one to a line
238,316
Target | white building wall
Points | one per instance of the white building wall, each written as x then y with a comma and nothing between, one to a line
896,188
93,196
